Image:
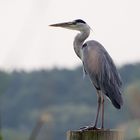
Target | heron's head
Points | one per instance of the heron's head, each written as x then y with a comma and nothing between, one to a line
78,25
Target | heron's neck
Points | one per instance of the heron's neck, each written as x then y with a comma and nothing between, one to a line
79,40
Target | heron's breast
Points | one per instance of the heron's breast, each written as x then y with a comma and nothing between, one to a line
91,59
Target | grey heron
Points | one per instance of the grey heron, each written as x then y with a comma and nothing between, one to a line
98,65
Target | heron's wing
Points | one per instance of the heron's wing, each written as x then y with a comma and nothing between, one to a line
102,71
110,80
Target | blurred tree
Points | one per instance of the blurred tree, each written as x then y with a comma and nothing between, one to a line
65,94
131,129
44,118
133,98
130,73
136,138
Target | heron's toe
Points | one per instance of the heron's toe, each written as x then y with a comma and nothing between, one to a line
86,128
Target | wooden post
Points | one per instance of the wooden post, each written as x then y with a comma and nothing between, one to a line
95,135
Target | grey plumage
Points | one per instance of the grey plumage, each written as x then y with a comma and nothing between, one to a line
102,71
98,64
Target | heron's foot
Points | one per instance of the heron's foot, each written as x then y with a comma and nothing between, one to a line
86,128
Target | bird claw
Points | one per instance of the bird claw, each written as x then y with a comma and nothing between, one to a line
86,128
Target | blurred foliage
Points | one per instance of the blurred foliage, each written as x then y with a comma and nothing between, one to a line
133,98
1,137
136,139
12,134
64,95
132,129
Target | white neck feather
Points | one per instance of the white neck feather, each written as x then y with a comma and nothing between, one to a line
79,40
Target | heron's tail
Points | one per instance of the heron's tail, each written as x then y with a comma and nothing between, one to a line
116,99
115,96
116,104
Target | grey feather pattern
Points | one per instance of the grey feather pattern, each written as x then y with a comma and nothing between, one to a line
102,71
84,72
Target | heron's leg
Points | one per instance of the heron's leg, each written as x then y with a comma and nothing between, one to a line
98,108
102,111
94,127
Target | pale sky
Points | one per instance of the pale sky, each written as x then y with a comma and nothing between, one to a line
27,42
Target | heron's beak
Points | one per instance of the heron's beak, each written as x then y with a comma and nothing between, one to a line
63,25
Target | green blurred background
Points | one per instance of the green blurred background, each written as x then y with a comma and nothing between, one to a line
45,104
